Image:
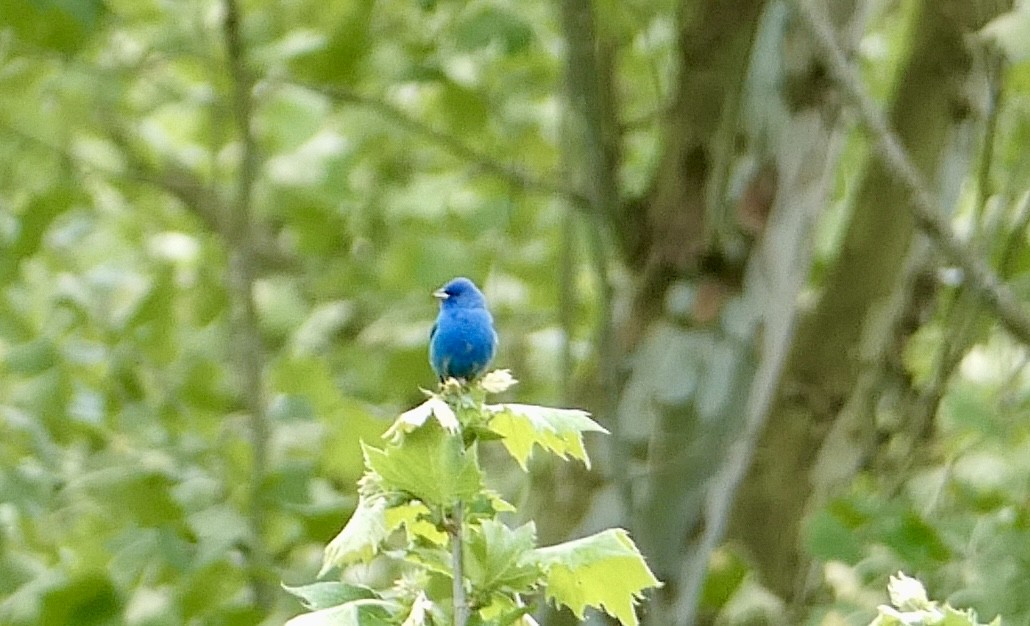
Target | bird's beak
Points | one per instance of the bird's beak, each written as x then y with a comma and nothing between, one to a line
440,294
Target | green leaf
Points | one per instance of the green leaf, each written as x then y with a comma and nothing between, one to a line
34,357
360,538
356,613
346,27
83,598
912,607
558,430
915,540
828,538
503,610
953,617
726,572
495,557
33,225
317,596
414,517
416,417
429,464
218,529
490,24
62,25
887,617
1011,31
604,571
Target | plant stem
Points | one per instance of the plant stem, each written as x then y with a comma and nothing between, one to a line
461,606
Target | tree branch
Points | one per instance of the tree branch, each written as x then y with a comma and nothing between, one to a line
982,279
590,156
449,143
237,229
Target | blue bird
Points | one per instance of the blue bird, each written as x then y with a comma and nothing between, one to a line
463,341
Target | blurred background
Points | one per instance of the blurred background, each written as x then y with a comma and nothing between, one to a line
221,222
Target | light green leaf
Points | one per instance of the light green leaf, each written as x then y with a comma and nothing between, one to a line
604,571
63,25
912,607
495,557
429,464
31,358
356,613
1011,31
361,536
506,611
887,616
414,418
490,24
412,516
420,610
497,503
498,381
324,595
907,593
955,617
558,430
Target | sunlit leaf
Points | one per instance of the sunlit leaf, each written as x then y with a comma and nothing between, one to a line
430,464
413,517
413,418
324,595
496,557
1011,31
361,536
604,571
556,430
355,613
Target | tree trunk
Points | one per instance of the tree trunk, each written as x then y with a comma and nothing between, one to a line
858,302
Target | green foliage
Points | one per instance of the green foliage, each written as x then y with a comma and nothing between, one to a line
555,430
1011,32
430,465
428,480
911,607
127,487
604,571
959,519
62,25
317,596
127,479
496,558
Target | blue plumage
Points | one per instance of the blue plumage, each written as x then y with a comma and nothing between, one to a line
463,341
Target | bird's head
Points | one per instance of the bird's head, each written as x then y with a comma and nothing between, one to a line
461,293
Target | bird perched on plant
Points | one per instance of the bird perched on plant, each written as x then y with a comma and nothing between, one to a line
463,341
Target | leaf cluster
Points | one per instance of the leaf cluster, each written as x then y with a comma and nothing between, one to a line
423,493
910,606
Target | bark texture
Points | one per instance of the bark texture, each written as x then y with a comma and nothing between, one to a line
841,335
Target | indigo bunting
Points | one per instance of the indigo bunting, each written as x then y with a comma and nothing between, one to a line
463,341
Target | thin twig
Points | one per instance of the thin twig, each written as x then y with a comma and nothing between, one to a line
238,233
983,173
567,259
1016,236
450,143
981,277
461,605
